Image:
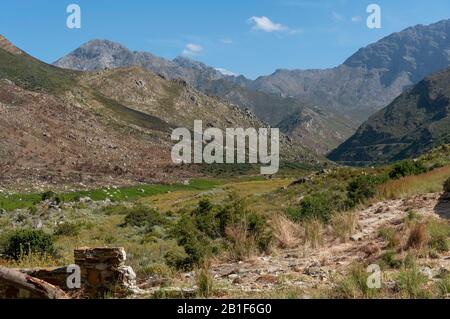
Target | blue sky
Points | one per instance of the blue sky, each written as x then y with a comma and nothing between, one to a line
250,37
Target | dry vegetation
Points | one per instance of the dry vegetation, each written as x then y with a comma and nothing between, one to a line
290,238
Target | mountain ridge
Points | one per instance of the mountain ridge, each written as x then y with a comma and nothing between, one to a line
103,127
271,108
412,124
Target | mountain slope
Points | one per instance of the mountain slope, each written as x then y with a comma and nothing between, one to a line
271,108
320,130
371,78
365,83
415,122
106,127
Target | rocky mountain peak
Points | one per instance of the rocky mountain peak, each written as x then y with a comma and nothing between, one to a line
416,51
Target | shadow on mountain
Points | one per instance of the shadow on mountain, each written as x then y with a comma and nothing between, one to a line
443,206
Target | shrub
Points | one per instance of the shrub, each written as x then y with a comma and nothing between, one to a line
354,285
67,229
206,218
48,195
443,286
285,231
390,259
258,227
362,188
177,259
142,216
160,270
314,207
25,241
195,243
208,227
411,282
313,232
439,233
243,229
391,236
241,243
407,168
447,185
205,281
418,236
51,196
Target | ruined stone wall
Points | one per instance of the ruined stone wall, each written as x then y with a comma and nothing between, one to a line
102,272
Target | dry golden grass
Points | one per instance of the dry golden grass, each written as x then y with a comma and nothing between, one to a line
286,232
418,236
314,233
32,260
258,187
242,244
429,182
344,224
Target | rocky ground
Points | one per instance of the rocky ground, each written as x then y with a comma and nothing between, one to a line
311,269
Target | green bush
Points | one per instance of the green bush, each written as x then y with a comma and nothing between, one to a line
141,216
25,241
196,245
362,188
316,206
236,215
206,218
207,228
447,185
258,227
407,168
67,229
51,196
390,259
178,259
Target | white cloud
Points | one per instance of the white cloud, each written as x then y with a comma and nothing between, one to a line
226,72
338,17
356,19
227,41
192,49
265,24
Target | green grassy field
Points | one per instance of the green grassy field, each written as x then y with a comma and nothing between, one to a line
10,202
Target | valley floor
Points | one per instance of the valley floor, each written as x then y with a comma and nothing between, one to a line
404,229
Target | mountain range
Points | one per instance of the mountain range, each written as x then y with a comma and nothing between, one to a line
319,108
108,126
105,112
271,108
